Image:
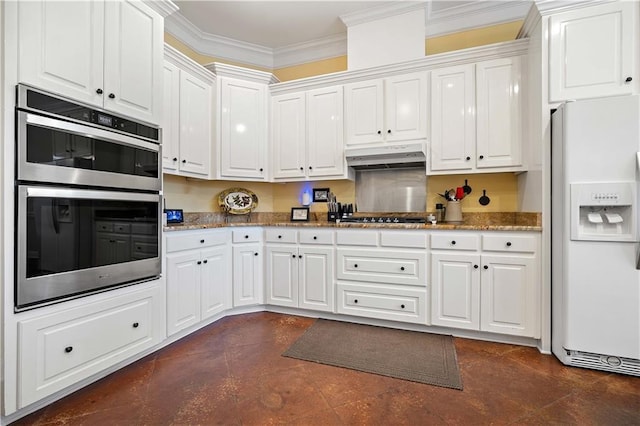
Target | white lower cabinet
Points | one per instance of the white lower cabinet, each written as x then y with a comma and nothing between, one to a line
486,289
59,349
248,267
198,282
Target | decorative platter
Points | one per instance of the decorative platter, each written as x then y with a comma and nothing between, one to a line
237,201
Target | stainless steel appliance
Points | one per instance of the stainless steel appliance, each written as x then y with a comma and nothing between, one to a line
88,206
594,235
383,220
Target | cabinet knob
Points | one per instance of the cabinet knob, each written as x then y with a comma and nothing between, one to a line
315,238
279,236
310,168
453,243
508,243
68,349
379,132
293,255
112,96
475,266
402,306
486,267
301,169
402,268
135,325
175,159
184,161
201,241
355,301
389,131
99,91
468,158
199,262
299,256
255,254
355,265
205,261
261,169
246,236
628,80
481,157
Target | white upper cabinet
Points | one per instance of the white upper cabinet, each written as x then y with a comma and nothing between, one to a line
107,54
308,135
187,121
592,51
476,117
242,111
386,110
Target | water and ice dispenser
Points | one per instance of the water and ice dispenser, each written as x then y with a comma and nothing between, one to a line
605,211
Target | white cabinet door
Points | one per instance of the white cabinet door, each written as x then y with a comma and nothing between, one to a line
215,281
195,126
456,290
325,132
405,107
498,89
61,47
592,51
247,275
183,290
243,119
133,46
288,136
364,112
509,298
316,278
170,118
453,121
282,275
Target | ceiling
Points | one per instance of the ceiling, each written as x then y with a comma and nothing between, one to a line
274,34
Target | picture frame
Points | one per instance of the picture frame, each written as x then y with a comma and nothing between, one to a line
320,195
299,214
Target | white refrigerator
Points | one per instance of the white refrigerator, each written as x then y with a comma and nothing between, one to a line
595,240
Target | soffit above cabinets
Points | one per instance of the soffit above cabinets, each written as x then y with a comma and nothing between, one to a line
277,34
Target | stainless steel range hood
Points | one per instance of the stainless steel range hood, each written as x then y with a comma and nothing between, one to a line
387,157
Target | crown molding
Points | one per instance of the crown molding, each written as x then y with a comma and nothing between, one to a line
247,74
184,62
474,15
379,12
452,19
163,7
457,57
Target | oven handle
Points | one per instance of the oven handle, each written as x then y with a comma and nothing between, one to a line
40,191
86,131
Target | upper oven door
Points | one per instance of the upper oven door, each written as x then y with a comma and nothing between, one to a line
52,150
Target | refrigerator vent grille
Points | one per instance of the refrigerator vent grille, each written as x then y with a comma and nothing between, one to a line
599,362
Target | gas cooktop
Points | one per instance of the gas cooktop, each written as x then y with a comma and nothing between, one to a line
383,220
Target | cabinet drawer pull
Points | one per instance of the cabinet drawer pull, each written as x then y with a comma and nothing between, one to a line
246,236
453,243
201,241
199,262
402,268
508,243
355,300
204,261
628,79
355,265
315,238
136,325
468,158
175,159
68,349
402,306
279,236
485,267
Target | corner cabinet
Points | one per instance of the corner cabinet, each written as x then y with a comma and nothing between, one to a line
307,136
392,109
593,51
104,53
187,122
476,118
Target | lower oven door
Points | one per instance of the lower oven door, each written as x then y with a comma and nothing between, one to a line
73,242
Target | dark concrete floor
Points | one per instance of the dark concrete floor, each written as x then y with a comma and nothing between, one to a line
232,373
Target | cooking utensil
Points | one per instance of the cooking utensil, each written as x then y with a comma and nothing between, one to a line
459,193
451,195
466,188
484,200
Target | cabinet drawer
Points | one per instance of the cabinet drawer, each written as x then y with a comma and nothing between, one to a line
186,240
247,235
409,239
383,302
308,236
509,242
122,228
357,238
455,241
397,267
104,226
281,235
64,348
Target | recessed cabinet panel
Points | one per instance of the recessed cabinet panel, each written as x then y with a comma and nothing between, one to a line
394,267
289,136
247,275
406,112
592,50
316,279
215,279
195,125
456,290
282,275
365,109
325,132
170,118
183,291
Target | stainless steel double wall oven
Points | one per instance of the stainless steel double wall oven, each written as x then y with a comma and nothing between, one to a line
88,203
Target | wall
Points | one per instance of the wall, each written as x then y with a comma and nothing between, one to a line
502,188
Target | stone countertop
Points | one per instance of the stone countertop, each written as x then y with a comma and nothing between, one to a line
510,221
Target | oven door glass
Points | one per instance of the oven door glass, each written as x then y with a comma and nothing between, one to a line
64,152
72,241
